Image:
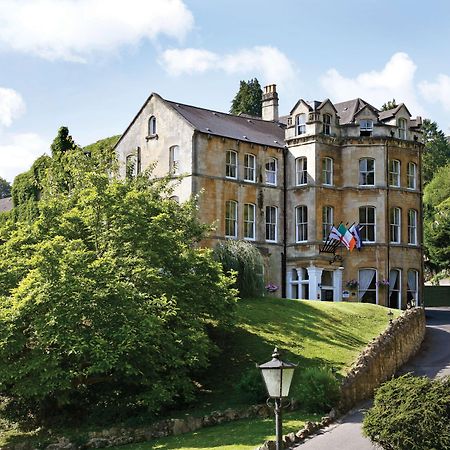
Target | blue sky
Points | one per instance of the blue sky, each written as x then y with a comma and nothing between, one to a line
90,64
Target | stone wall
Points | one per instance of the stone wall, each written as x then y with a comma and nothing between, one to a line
381,359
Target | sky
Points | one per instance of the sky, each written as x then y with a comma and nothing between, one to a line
91,64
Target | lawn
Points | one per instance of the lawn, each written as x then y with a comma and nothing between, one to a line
308,333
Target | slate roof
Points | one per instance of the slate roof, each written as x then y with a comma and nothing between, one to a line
347,110
6,204
228,125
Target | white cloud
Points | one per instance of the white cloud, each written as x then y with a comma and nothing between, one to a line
437,92
18,152
394,80
266,61
11,106
72,30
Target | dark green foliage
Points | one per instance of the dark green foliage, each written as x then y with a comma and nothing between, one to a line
105,302
102,148
251,386
318,389
410,413
5,188
62,143
391,104
248,99
245,259
437,150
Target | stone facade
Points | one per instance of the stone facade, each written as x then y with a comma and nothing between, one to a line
282,182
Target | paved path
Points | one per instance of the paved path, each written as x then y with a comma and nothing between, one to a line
433,360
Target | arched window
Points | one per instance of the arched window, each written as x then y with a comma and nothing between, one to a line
271,171
402,128
249,221
367,172
367,223
327,171
412,227
412,297
394,173
395,225
231,164
152,126
231,219
367,286
174,160
395,289
412,175
301,223
300,124
271,223
327,221
327,124
249,167
301,171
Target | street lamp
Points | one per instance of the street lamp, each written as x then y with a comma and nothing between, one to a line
277,376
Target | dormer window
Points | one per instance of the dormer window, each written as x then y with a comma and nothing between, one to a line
300,124
402,128
327,124
365,127
152,126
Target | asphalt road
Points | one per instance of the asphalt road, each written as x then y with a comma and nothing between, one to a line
433,360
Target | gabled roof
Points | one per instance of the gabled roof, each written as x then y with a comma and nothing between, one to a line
241,128
349,109
6,204
384,115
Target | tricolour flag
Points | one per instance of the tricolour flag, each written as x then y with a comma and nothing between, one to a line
354,229
347,238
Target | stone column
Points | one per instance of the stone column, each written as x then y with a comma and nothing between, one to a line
315,278
337,284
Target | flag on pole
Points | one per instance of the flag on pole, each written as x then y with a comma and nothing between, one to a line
334,234
354,229
347,238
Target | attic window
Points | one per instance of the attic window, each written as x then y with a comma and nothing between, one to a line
402,128
327,124
365,127
152,126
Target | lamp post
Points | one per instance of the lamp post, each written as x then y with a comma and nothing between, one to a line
277,376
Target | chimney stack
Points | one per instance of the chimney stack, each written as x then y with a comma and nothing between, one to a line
270,103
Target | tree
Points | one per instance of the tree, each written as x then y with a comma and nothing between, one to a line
105,300
437,150
5,188
248,100
62,143
391,104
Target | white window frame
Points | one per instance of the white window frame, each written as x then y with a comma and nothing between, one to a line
301,171
271,224
365,127
327,171
301,223
231,165
326,124
398,281
402,125
411,175
327,221
394,172
174,160
374,279
271,171
300,124
249,167
365,224
395,225
249,221
152,126
231,219
365,172
412,227
414,294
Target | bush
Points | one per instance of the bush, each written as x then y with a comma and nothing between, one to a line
410,413
251,386
318,389
245,259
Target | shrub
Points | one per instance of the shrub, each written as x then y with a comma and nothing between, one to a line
318,389
245,259
251,386
410,413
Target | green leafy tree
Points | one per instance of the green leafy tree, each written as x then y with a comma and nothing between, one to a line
5,188
248,100
391,104
437,150
105,300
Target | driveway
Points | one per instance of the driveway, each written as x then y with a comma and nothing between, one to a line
433,360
